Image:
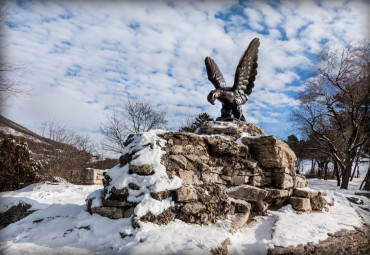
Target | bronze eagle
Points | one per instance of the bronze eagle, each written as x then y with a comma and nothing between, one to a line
232,98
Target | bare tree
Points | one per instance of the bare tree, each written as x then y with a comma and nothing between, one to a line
8,86
136,116
71,153
334,106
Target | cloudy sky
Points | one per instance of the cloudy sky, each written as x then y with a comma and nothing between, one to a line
81,59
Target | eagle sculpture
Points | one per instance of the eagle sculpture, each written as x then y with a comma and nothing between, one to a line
232,98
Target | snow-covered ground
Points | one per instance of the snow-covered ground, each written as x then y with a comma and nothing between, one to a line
61,225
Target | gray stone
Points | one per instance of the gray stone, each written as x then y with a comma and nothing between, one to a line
216,169
226,178
305,193
124,159
193,158
261,207
256,180
141,170
271,152
186,194
133,186
160,195
211,178
247,193
277,193
283,181
193,208
300,204
250,163
109,211
239,180
300,182
241,206
186,176
15,214
318,203
180,160
177,149
266,181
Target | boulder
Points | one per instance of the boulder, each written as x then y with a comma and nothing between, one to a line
304,192
318,203
300,181
113,212
239,180
241,206
300,204
141,170
186,194
271,152
283,180
247,193
14,214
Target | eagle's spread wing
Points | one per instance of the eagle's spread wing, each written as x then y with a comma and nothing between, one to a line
246,72
214,73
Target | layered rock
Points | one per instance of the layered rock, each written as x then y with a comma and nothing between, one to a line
306,199
227,170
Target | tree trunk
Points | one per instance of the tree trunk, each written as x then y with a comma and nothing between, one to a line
313,163
366,181
355,168
346,175
326,170
336,172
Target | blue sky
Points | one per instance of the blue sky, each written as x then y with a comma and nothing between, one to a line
81,59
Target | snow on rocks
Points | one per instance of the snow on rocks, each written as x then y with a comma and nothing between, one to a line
164,176
127,186
62,225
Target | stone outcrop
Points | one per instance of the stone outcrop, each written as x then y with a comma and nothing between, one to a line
306,199
227,170
342,242
14,214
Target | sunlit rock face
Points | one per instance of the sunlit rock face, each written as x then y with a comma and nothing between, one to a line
227,170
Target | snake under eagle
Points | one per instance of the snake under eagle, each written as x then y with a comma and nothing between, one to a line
232,98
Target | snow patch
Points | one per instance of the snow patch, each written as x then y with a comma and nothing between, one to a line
149,204
148,147
8,130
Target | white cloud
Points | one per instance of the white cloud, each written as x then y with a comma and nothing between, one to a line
255,18
116,49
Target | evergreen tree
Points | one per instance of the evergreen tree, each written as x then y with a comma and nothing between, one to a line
196,123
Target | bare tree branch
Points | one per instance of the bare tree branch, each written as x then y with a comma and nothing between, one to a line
136,116
334,105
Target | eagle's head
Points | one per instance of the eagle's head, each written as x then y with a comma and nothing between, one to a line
213,95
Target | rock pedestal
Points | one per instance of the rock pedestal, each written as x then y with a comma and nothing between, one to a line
227,170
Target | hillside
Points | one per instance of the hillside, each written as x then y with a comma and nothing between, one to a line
57,159
37,144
